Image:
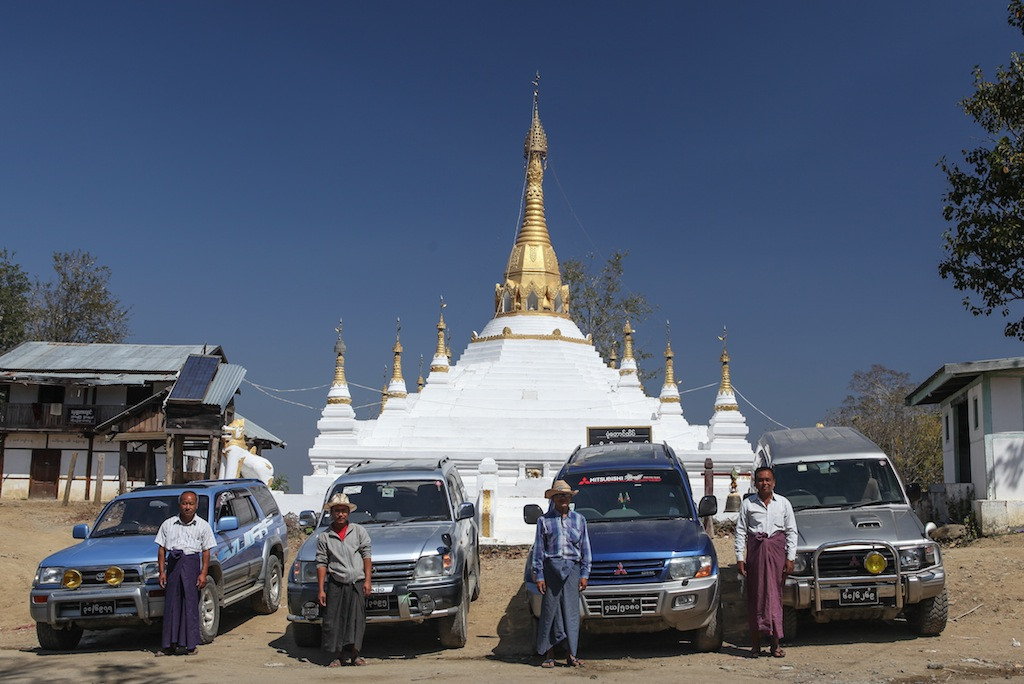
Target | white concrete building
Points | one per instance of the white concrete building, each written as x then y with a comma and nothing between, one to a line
982,404
529,388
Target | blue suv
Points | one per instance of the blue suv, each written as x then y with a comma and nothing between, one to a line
654,567
110,579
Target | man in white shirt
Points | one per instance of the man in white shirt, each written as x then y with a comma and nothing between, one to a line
183,560
766,539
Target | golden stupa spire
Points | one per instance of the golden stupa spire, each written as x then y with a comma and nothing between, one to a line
339,395
627,330
612,358
670,376
397,386
384,390
533,282
420,382
725,390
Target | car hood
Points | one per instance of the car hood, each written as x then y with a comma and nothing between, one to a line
407,541
879,523
133,550
640,538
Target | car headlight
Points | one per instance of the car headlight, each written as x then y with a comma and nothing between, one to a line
917,557
48,576
303,572
150,572
690,566
433,566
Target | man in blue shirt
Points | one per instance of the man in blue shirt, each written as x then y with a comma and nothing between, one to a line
561,566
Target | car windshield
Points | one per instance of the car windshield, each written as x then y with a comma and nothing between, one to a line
140,515
844,483
628,495
389,501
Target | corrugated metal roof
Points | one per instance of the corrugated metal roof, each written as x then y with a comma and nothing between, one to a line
224,385
68,357
86,378
254,431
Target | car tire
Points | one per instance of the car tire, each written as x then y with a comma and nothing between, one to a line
709,637
476,576
453,629
928,618
268,600
306,635
790,624
209,611
53,639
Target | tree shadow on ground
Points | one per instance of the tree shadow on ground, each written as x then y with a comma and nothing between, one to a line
395,641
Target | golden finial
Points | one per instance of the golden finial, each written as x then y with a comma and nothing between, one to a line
612,358
396,371
627,330
420,382
670,378
384,389
339,369
725,389
440,330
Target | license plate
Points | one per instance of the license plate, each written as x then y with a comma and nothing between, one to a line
382,588
620,607
858,596
377,603
97,608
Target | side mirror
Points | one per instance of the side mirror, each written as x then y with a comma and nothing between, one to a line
531,514
80,531
708,506
307,519
227,523
446,539
914,492
466,510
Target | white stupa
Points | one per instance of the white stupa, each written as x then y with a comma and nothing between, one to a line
529,388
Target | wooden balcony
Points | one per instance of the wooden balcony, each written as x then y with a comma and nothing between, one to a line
55,417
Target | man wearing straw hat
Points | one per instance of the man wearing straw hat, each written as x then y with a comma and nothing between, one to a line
561,566
343,570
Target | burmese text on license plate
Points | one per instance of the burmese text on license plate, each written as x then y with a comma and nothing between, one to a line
858,596
621,607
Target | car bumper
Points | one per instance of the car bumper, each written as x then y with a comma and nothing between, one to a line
125,605
909,589
662,605
405,603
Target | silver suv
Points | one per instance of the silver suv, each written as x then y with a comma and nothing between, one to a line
426,561
862,552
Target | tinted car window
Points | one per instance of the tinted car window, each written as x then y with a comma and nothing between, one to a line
383,501
140,515
266,500
625,495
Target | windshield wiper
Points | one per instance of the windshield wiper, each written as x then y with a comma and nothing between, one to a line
862,504
425,518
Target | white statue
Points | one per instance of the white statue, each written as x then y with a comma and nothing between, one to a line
237,461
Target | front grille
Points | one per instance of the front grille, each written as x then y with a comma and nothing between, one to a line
395,571
93,577
627,570
851,563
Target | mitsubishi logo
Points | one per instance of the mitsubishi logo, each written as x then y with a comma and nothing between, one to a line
620,570
854,563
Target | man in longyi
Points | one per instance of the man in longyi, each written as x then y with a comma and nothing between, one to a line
183,559
766,540
343,569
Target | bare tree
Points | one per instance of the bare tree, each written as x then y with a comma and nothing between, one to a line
910,435
77,305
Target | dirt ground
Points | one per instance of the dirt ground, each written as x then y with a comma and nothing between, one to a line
986,621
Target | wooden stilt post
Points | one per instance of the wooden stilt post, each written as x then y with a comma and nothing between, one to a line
99,476
122,468
71,477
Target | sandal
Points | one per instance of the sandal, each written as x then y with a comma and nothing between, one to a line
755,653
334,663
358,661
550,662
194,651
778,653
573,661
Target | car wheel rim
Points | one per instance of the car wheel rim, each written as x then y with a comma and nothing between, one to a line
275,587
209,609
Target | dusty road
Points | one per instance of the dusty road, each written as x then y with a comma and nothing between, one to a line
986,595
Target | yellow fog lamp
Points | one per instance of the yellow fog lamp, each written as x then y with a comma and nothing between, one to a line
874,562
113,576
72,579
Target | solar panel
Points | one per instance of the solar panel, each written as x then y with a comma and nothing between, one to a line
194,378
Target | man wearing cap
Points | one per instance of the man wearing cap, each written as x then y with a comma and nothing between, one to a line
561,566
343,569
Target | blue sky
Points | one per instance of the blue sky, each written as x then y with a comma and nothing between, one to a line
253,171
